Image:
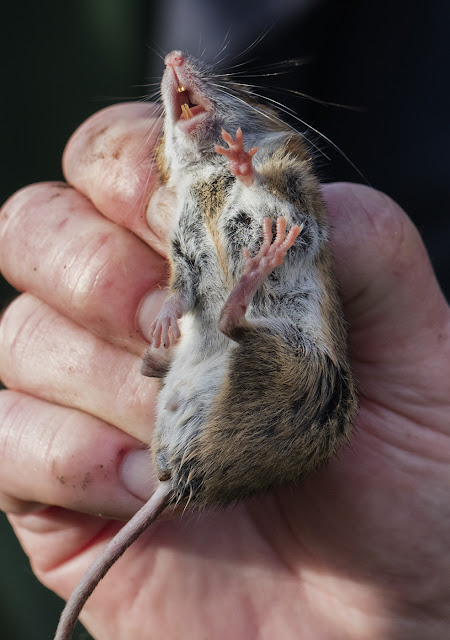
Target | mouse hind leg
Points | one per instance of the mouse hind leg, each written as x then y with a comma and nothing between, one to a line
233,321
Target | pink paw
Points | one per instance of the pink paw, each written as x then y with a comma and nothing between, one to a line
239,160
271,254
164,331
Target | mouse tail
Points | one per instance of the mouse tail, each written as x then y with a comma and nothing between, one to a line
116,547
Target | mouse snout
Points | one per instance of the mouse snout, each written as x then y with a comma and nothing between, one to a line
174,59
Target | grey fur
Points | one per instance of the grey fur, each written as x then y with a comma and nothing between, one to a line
240,416
274,398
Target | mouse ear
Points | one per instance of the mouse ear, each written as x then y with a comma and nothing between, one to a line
156,362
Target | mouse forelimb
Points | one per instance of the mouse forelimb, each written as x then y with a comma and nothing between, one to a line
164,331
239,160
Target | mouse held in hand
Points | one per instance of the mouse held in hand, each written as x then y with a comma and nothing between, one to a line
251,342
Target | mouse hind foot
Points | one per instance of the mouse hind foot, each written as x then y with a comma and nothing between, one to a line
270,255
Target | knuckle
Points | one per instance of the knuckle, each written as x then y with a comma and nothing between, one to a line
395,240
19,224
92,276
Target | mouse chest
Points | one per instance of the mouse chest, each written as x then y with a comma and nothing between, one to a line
201,225
198,257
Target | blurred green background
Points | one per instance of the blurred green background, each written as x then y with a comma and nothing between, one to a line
60,62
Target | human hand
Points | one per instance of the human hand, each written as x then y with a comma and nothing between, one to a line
357,551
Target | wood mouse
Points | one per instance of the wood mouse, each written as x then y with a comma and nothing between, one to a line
251,344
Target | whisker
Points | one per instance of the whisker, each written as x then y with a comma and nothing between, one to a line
250,88
306,96
244,74
147,97
226,41
316,131
147,84
278,120
254,44
293,62
160,53
120,98
234,66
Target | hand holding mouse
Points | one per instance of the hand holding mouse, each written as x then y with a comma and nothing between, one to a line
358,550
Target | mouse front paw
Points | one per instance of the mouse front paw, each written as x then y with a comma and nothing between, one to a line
164,331
239,160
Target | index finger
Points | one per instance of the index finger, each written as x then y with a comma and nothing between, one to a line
110,159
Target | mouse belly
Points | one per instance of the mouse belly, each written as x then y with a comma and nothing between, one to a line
188,393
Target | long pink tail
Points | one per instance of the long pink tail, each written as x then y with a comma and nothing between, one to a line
99,568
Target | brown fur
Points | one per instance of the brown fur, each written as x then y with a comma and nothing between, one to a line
161,162
271,384
211,198
268,389
287,166
156,362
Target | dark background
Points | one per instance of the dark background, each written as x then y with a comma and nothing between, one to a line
62,62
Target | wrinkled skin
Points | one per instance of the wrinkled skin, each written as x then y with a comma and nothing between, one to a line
359,551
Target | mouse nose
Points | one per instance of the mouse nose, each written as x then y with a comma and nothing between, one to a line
174,59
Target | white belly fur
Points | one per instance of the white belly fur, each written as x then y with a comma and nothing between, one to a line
190,386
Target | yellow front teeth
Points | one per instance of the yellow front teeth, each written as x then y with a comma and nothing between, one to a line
186,112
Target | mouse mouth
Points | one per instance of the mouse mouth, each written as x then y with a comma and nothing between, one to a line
188,105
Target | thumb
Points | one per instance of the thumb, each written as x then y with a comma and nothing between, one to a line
393,303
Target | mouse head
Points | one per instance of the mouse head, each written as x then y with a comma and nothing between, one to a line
197,106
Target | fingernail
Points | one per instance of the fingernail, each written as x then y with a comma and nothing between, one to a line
136,473
149,309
